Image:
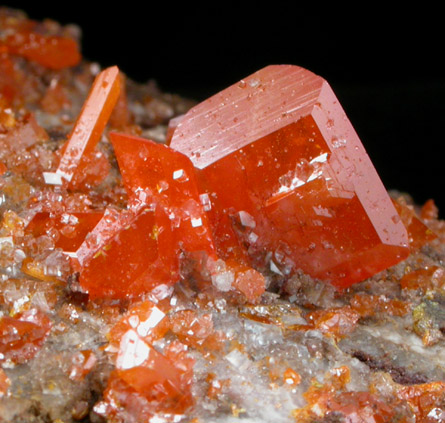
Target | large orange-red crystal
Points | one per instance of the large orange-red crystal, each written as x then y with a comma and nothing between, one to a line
155,174
127,254
278,157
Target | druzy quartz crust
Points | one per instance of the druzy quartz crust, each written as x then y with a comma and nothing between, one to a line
236,259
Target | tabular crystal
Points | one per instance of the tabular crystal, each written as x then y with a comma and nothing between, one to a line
278,148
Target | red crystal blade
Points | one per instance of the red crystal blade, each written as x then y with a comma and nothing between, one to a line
88,127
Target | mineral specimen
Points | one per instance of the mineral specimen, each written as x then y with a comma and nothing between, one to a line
148,283
303,183
302,192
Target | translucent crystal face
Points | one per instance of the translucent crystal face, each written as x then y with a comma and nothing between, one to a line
299,188
287,199
72,228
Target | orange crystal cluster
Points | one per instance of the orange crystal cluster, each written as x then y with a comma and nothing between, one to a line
268,174
146,381
22,336
44,43
125,253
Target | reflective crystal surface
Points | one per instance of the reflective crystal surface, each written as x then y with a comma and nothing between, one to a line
286,172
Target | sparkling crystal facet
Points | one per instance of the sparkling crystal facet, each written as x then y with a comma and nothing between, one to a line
155,174
279,148
72,228
128,254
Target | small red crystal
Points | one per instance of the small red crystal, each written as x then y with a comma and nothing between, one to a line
159,382
248,281
278,156
418,233
52,52
55,98
192,329
83,363
72,228
22,337
146,318
4,383
424,279
336,321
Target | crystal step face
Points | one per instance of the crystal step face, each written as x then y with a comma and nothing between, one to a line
277,153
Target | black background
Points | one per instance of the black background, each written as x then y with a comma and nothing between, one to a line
385,67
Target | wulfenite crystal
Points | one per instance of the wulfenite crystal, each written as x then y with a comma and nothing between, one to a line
156,174
78,152
287,174
53,52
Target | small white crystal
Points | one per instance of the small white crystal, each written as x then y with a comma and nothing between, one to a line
322,211
274,268
196,222
205,201
320,159
223,280
237,359
52,178
69,219
177,174
246,219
